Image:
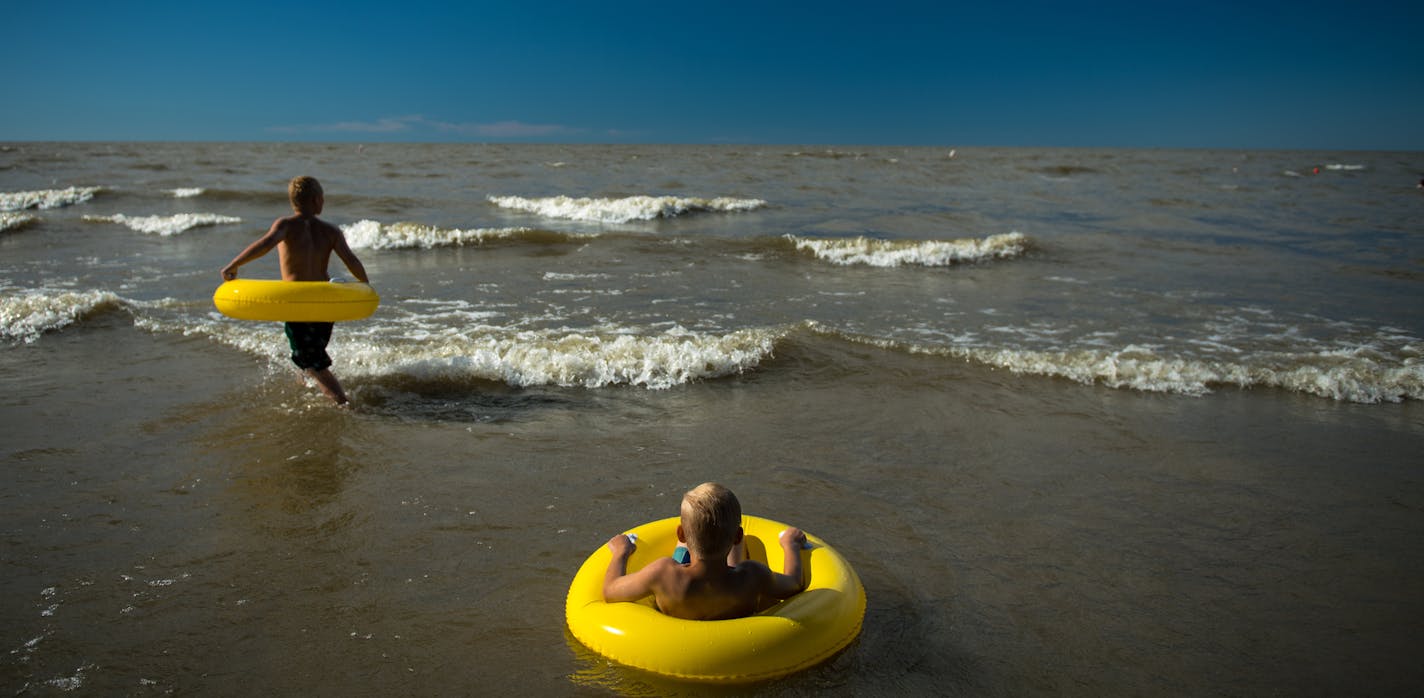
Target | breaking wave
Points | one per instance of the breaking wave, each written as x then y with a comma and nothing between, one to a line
594,358
46,198
27,314
894,253
585,359
165,225
624,210
15,221
1362,374
372,235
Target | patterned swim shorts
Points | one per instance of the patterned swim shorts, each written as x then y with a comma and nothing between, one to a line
308,340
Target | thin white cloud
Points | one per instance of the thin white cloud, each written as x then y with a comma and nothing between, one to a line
394,124
416,123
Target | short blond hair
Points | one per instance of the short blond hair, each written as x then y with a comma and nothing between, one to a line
711,517
305,193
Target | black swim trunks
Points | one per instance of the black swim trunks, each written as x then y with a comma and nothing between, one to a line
308,340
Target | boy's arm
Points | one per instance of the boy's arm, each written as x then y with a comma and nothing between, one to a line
792,581
618,585
259,247
348,257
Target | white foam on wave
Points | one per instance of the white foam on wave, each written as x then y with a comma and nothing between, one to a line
1357,378
186,192
567,358
1361,374
14,221
372,235
623,210
256,338
25,314
1346,168
471,349
165,225
894,253
46,198
564,276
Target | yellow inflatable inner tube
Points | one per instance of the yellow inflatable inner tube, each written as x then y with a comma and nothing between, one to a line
295,301
795,634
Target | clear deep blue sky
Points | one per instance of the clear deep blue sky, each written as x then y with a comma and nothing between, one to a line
1314,75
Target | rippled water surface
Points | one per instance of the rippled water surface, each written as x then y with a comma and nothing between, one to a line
1085,422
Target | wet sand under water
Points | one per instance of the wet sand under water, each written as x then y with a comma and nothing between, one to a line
182,521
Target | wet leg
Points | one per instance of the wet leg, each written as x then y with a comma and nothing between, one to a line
328,384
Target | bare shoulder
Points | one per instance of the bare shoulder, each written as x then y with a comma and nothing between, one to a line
660,575
753,567
756,572
282,225
331,231
661,566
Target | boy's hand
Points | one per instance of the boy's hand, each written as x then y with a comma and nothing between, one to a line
793,539
228,274
791,580
621,546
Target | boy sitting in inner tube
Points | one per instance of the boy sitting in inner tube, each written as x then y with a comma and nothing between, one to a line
716,584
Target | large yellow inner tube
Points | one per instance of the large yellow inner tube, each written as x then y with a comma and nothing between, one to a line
295,301
797,633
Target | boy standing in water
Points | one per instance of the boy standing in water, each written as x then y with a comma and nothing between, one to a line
717,584
304,245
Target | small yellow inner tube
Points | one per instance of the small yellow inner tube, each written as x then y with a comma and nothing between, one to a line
295,301
792,635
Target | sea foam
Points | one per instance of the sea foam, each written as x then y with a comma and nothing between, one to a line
165,225
27,314
1358,375
14,221
563,357
894,253
587,359
372,235
46,198
623,210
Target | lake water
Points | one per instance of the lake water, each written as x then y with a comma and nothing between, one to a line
1093,422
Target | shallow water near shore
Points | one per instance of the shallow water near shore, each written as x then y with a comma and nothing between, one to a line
182,514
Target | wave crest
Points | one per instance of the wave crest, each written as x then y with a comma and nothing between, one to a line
623,210
46,198
15,221
372,235
165,225
25,315
572,359
894,253
1361,375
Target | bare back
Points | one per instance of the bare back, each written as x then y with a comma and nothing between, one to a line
710,592
304,247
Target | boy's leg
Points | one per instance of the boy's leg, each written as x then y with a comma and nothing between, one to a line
308,341
328,384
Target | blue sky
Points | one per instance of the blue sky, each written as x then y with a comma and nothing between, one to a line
1337,75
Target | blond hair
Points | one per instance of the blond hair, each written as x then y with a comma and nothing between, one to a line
305,193
711,517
